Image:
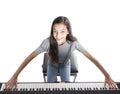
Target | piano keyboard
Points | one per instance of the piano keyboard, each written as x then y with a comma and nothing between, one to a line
55,87
60,86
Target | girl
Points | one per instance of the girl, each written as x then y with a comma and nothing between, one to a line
59,46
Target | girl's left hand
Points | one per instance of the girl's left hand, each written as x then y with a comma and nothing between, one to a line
110,83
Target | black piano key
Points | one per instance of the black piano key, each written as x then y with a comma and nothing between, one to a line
39,89
84,88
30,89
118,85
100,88
0,85
26,89
71,89
81,89
47,89
42,89
90,88
15,89
65,89
74,89
54,89
87,88
23,89
20,89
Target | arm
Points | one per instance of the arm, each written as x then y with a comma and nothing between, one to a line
108,79
12,82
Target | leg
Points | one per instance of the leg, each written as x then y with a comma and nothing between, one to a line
52,71
64,70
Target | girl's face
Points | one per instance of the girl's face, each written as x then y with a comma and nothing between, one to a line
60,32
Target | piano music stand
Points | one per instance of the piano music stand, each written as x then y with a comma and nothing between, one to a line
74,66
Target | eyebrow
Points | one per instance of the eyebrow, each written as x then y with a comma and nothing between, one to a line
60,29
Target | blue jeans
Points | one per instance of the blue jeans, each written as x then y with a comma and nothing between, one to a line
63,69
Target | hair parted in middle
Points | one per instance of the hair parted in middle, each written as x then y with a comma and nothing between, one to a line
53,50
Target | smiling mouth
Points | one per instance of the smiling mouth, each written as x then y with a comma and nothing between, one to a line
60,41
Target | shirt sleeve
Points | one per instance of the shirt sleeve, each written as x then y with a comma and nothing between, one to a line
78,46
44,46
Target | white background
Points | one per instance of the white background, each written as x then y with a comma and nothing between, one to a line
25,23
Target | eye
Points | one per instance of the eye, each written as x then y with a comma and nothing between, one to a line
62,31
54,31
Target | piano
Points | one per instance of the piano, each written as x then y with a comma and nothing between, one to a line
60,88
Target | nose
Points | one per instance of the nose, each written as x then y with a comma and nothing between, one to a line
58,36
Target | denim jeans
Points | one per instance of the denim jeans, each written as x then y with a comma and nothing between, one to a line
63,69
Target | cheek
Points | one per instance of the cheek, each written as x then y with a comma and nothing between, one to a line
65,35
54,35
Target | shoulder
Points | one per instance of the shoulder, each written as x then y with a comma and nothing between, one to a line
78,46
75,42
45,41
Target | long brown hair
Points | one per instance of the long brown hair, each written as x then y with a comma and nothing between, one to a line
53,50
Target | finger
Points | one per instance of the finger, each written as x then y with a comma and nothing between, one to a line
8,86
114,85
15,85
105,84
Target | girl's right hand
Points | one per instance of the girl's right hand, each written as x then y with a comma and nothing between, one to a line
11,83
